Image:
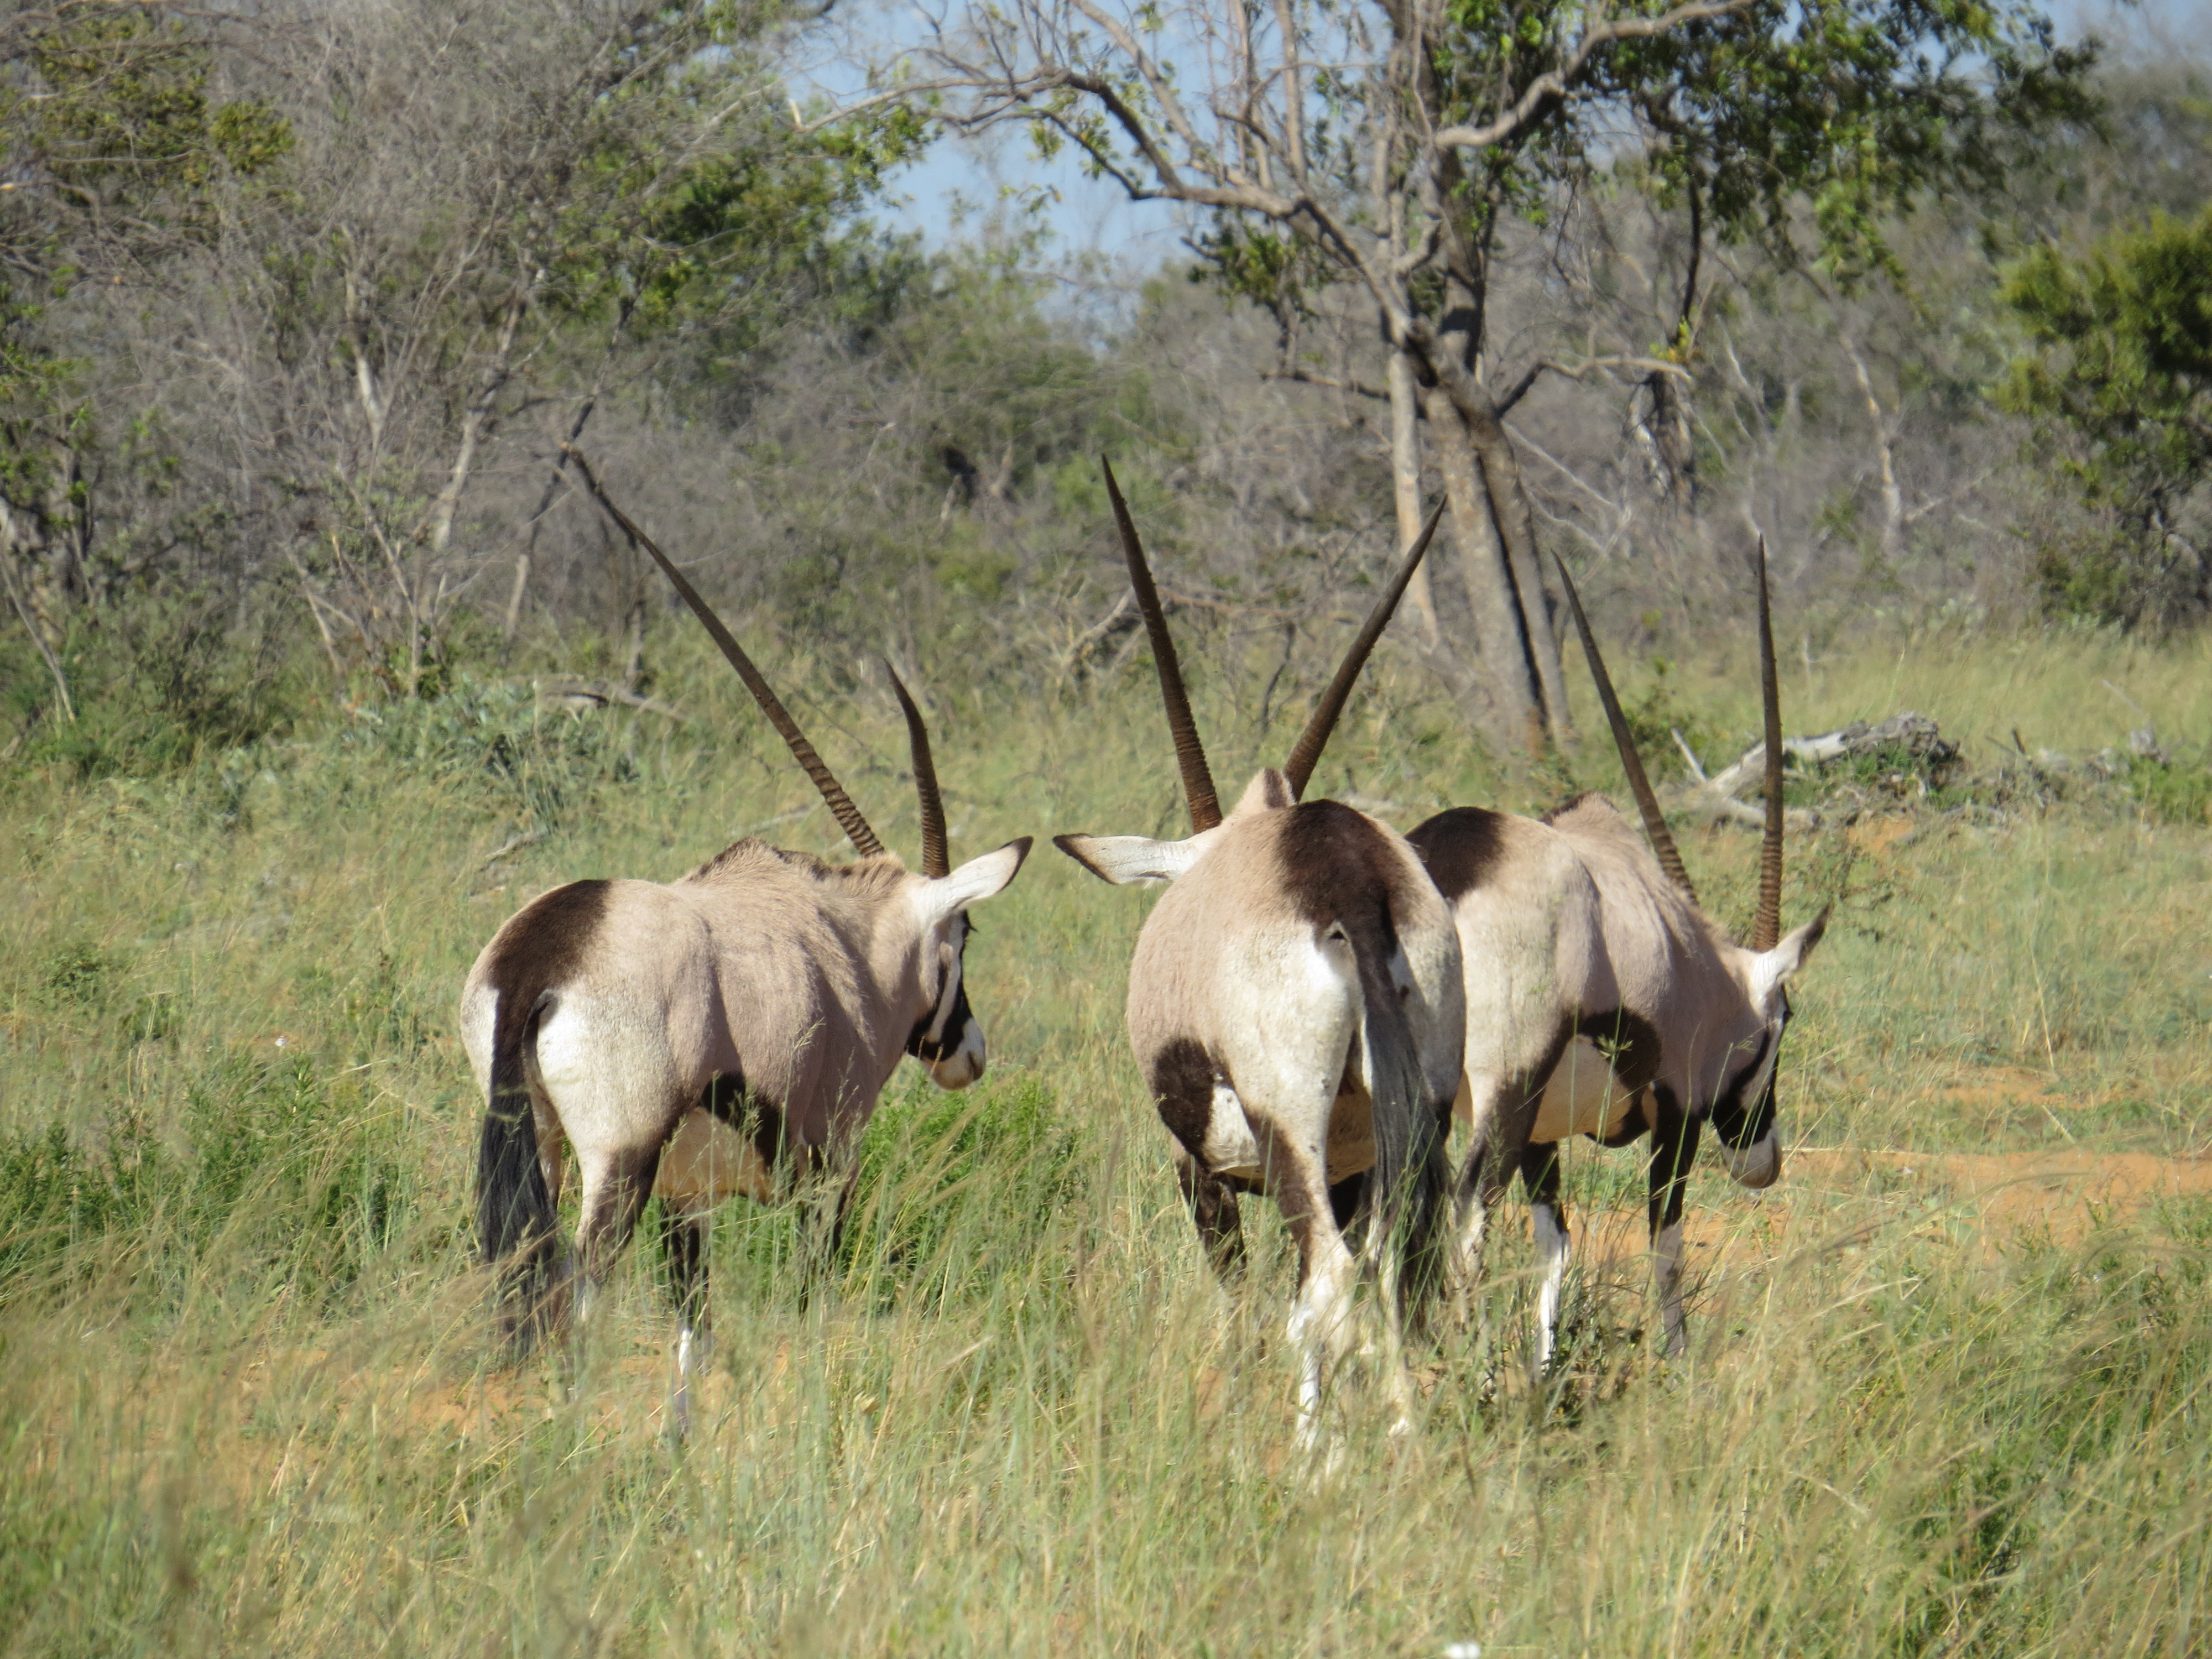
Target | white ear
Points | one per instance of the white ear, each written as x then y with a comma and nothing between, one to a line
1771,969
1122,860
972,882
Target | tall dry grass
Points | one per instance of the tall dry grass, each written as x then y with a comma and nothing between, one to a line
245,1401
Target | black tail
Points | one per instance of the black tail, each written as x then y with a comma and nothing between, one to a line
515,1213
1409,1179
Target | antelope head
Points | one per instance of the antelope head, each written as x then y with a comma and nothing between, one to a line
1740,1098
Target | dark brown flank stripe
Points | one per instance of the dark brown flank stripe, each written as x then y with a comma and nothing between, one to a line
1460,846
1338,867
540,949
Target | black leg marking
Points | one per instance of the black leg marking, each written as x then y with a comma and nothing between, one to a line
1343,1200
684,1240
1539,1177
1673,1149
603,1232
1213,1207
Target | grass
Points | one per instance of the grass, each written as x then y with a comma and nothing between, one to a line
244,1400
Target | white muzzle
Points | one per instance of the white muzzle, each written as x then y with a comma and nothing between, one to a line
964,1064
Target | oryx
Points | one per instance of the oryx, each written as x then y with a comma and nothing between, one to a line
690,1038
1602,1000
1294,1004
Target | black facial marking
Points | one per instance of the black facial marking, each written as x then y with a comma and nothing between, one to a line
1742,1125
1462,847
956,1024
1182,1078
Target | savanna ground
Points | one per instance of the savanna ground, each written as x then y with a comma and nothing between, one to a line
1947,1384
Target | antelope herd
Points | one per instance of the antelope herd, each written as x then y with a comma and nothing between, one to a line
1310,1003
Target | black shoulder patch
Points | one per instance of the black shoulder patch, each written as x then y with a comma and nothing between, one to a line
1337,863
1462,846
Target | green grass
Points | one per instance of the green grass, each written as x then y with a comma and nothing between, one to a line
245,1397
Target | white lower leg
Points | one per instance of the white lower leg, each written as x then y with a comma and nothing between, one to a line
1666,1271
1474,1221
680,1401
1319,1329
1552,1246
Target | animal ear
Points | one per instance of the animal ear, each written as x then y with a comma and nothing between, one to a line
1122,860
973,881
1771,969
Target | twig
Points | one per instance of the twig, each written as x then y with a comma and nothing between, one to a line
512,844
1696,766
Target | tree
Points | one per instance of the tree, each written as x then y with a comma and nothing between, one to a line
1398,147
2121,376
378,236
114,146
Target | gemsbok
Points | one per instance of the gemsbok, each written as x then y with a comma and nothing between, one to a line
1602,1000
702,1037
1295,1006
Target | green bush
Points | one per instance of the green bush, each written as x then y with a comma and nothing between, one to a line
2171,791
948,1182
276,1168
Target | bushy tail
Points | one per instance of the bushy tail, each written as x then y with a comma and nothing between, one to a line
515,1223
1409,1179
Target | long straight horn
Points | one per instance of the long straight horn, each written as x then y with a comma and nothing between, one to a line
1311,741
936,854
1647,802
1190,754
1766,930
848,816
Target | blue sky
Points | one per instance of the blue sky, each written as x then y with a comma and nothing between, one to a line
960,182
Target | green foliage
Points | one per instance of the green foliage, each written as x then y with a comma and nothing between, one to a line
164,682
2120,377
2172,790
270,1161
941,1174
492,742
1657,715
109,123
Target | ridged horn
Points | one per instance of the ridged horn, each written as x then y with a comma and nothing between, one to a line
936,853
1190,754
1647,802
1307,754
848,815
1766,930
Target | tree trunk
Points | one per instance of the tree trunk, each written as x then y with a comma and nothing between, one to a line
1516,527
1406,486
1516,721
